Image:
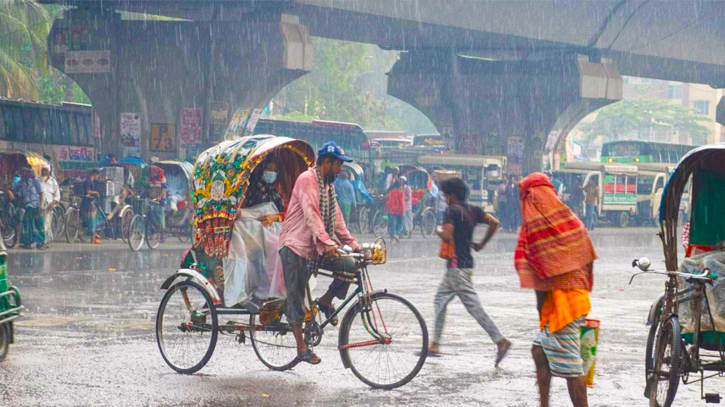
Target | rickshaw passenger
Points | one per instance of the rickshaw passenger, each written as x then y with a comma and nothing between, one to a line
312,218
87,208
263,188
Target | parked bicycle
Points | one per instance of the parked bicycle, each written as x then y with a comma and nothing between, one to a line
145,227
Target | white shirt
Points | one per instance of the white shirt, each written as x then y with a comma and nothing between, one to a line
51,191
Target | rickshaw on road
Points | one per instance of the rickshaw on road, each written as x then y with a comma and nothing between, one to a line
196,306
686,341
10,306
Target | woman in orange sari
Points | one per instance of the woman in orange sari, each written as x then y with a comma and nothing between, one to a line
554,257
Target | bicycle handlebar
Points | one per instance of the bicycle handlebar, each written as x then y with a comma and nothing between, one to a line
706,275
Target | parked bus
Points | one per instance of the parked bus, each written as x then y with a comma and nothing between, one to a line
63,132
349,136
480,172
429,140
638,151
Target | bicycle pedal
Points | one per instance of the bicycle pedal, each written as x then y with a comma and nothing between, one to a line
241,337
712,398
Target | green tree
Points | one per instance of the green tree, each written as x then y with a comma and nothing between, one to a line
631,117
24,26
348,83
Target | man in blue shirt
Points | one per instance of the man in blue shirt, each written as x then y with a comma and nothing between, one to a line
345,195
29,192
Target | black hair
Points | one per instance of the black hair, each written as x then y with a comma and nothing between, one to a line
455,187
321,158
95,171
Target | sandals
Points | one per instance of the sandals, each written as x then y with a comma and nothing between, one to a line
309,357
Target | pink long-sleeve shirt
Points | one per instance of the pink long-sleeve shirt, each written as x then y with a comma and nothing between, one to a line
303,220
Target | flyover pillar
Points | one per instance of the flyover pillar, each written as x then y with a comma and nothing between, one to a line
482,103
182,79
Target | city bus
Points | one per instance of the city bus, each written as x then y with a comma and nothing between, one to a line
349,136
638,151
63,132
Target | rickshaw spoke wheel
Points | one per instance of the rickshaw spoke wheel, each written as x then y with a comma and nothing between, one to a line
126,224
153,234
4,340
363,220
428,223
380,224
396,353
667,364
72,225
137,233
186,327
275,344
58,222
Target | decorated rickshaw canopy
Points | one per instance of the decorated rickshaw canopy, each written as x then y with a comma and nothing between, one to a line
221,180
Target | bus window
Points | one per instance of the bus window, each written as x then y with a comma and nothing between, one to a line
64,121
660,184
27,125
644,185
73,129
37,131
17,125
3,134
55,136
82,129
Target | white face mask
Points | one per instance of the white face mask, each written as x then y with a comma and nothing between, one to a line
269,176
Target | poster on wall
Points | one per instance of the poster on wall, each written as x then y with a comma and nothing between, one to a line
219,112
234,130
515,154
252,122
88,61
190,126
468,143
131,134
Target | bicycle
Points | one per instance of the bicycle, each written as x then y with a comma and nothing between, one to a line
667,357
145,228
9,221
383,338
76,229
426,220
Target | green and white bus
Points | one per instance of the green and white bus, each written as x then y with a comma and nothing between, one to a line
638,151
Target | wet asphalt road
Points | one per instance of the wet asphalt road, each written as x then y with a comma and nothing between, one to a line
88,337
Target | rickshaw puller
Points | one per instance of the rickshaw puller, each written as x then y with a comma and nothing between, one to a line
312,217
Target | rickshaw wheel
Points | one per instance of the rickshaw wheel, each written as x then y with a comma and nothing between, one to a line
72,225
153,235
4,340
363,220
58,220
8,233
186,327
275,344
126,224
649,350
137,233
380,224
184,234
668,355
428,223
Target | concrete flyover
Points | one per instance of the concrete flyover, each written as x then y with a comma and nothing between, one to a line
568,55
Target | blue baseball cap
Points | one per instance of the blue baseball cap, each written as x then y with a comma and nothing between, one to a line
331,148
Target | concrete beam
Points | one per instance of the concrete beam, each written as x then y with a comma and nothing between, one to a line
482,103
156,68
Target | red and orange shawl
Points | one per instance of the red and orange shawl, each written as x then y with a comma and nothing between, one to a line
553,250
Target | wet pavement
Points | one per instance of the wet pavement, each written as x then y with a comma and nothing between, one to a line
88,338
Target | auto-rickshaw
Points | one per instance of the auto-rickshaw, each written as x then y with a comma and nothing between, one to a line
230,237
10,305
686,342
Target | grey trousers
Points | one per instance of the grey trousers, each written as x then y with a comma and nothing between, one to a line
458,282
296,277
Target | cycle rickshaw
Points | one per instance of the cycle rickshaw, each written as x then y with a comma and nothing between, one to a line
376,327
10,305
686,341
179,212
423,214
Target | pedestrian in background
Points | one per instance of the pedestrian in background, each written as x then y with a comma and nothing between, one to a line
395,207
440,201
51,198
391,178
504,208
345,195
30,193
591,199
554,256
408,214
88,209
457,236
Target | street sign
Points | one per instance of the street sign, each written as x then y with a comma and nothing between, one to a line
163,137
